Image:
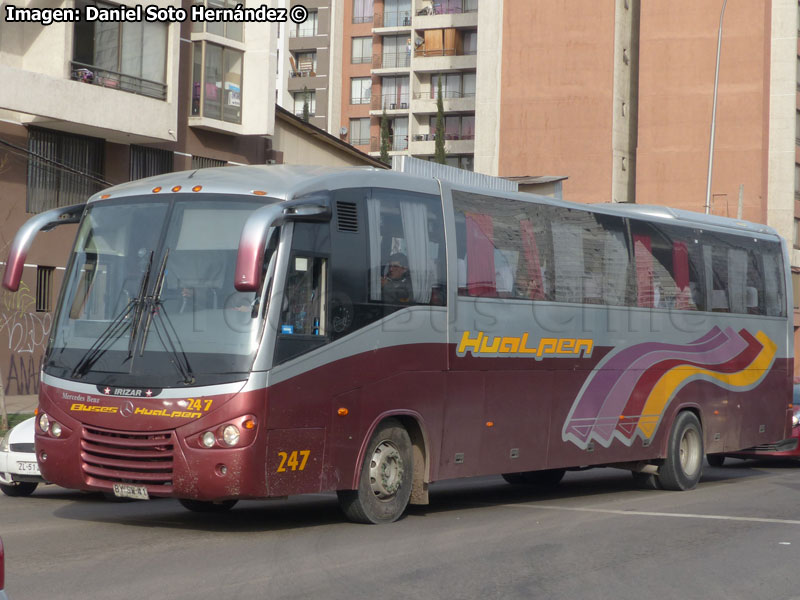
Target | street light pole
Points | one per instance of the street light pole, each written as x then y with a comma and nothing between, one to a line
714,113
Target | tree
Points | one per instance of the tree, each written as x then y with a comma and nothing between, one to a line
306,110
385,141
439,154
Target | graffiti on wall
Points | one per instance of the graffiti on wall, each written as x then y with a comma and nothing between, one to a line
24,332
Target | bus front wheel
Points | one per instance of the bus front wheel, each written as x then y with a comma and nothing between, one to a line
386,478
684,463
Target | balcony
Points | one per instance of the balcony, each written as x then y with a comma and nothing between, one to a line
455,143
452,101
442,15
443,59
393,21
117,81
397,143
391,62
389,102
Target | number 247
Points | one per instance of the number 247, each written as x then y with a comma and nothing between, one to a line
291,460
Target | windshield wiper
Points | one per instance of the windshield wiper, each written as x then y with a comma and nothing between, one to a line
115,330
155,307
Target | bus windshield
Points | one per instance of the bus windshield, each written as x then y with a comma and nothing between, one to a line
149,298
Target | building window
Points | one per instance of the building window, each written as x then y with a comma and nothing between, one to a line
131,57
362,50
217,82
44,289
796,181
796,232
227,29
359,131
202,162
470,42
306,64
146,162
362,11
301,99
456,127
454,85
360,90
396,51
307,28
394,93
63,169
396,13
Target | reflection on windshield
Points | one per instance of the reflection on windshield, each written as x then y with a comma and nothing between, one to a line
188,320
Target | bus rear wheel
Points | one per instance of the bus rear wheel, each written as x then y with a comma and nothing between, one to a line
540,479
684,463
207,507
386,478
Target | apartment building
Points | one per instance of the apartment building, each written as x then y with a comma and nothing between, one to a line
395,53
88,104
306,61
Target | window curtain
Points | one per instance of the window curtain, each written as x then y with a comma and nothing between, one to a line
680,271
420,265
480,255
708,272
362,10
374,221
568,262
737,279
535,289
644,270
615,268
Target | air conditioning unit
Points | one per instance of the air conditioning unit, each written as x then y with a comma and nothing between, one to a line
404,105
392,106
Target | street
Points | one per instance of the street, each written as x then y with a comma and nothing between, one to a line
596,536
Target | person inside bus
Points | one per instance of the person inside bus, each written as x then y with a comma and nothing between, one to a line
396,281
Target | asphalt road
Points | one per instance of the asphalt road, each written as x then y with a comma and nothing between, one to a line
736,536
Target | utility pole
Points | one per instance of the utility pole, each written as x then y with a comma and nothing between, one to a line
714,113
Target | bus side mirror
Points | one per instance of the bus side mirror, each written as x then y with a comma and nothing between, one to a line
22,241
254,235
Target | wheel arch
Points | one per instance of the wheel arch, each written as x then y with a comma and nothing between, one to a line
414,424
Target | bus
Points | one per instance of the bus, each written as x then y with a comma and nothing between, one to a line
265,331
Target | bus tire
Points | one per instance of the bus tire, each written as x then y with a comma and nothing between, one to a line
19,488
683,466
386,479
546,479
716,460
207,507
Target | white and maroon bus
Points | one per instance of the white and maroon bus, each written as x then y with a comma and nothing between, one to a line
258,332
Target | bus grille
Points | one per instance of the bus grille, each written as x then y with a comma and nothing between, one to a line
122,457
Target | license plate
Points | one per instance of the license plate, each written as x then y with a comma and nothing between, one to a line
28,467
125,490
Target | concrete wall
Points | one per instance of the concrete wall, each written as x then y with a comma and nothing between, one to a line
557,93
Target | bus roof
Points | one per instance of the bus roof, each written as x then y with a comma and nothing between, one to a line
285,182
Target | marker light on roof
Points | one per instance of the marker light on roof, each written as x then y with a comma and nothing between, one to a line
259,192
197,188
156,189
105,196
177,188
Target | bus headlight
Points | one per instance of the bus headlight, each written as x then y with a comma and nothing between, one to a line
44,422
208,439
230,435
55,429
795,419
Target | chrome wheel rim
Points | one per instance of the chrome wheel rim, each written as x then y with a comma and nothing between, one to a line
386,471
690,452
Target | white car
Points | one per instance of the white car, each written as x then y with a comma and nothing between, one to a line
19,471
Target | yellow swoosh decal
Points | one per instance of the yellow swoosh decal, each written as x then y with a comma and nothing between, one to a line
676,376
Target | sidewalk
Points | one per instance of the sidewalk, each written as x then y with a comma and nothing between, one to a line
21,404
